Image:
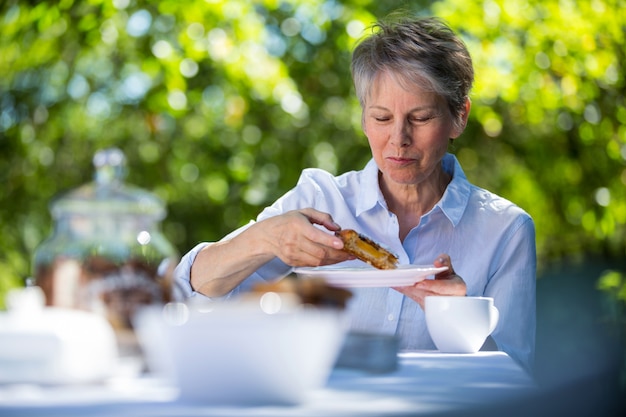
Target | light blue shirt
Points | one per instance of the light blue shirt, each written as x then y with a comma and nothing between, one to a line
491,243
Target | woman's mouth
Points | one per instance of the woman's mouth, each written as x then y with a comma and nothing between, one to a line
399,160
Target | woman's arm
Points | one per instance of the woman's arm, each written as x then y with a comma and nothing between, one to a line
513,288
220,267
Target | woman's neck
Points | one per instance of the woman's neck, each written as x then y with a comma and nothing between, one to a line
409,202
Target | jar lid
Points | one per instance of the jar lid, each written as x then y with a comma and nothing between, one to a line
108,194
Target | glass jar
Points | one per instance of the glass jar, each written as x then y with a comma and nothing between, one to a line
106,253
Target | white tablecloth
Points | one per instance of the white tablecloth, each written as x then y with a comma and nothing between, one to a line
425,383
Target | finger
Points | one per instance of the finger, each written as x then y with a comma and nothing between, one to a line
414,293
451,286
335,256
311,254
321,218
317,247
299,243
444,260
318,237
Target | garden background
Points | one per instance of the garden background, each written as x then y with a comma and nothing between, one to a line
218,106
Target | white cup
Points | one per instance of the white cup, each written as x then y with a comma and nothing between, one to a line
460,324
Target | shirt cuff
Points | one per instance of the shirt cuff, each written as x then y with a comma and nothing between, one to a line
182,274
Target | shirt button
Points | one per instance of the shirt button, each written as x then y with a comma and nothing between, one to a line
390,317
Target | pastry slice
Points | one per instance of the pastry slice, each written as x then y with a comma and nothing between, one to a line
367,250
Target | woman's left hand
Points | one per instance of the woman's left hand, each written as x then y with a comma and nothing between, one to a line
445,283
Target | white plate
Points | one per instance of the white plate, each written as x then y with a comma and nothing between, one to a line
368,276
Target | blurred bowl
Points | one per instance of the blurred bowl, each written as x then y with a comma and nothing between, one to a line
53,345
269,351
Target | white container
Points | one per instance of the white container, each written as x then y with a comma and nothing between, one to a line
238,354
460,324
51,345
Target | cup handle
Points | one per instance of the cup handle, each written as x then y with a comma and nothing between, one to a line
494,317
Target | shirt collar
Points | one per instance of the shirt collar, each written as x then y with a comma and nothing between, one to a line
370,195
452,203
457,194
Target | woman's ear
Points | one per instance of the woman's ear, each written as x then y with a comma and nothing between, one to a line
460,127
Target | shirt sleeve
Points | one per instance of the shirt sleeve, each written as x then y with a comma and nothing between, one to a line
513,288
182,274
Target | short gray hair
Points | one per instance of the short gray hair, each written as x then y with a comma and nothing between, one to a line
418,51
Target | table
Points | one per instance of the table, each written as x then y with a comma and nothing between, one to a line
425,383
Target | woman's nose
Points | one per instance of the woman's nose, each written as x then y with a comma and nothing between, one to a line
401,134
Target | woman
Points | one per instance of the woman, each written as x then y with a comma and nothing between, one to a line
412,77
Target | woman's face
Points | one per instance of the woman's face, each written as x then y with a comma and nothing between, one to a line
408,131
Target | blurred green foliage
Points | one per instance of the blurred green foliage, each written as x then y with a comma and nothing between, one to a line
218,106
